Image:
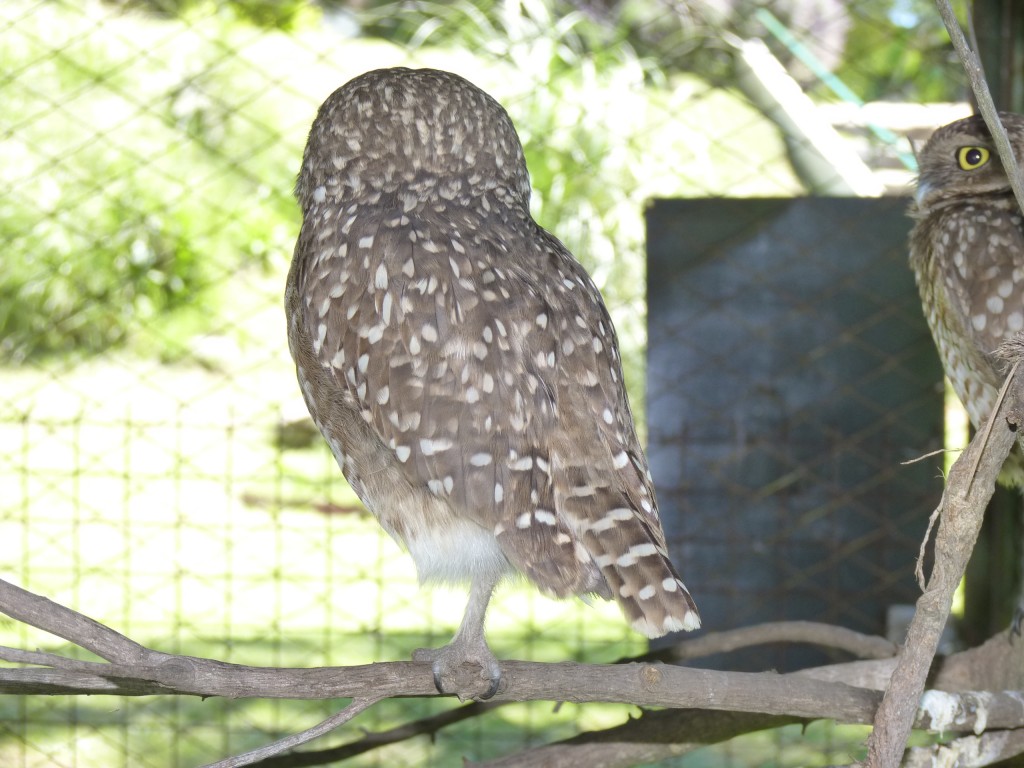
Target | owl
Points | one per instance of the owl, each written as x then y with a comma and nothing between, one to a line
462,365
967,253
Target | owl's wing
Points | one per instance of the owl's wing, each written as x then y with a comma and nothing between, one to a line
434,343
483,357
986,282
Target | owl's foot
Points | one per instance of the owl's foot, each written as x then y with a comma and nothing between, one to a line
453,673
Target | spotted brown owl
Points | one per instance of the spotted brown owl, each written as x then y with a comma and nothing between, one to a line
461,363
967,252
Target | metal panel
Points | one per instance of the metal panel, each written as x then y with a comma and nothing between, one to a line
790,373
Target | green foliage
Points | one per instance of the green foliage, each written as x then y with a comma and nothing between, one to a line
132,184
883,49
910,57
148,161
271,14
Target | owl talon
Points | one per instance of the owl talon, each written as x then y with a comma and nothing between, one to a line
451,666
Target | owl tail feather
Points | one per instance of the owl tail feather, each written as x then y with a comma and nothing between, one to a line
640,576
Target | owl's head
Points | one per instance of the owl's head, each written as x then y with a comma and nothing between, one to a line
959,161
425,131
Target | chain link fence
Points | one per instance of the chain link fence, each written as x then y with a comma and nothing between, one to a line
157,468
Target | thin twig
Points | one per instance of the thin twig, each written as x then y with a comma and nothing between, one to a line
812,632
922,552
923,456
294,740
426,726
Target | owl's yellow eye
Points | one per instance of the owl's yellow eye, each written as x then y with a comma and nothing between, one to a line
970,158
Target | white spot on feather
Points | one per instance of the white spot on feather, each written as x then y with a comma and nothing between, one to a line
545,517
431,446
643,550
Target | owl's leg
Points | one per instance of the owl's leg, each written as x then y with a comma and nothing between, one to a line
468,646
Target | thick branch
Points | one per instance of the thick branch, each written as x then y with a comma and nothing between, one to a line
871,674
995,665
970,486
653,737
756,700
986,749
651,685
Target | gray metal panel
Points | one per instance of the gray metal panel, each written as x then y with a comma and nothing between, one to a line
790,372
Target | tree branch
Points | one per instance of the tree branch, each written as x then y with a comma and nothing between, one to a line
427,726
812,632
40,612
874,675
986,749
995,665
294,740
969,487
734,702
653,737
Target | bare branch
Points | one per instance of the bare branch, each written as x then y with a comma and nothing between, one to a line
155,672
427,726
660,735
812,632
873,674
654,685
42,613
986,749
995,665
653,737
970,485
281,745
743,701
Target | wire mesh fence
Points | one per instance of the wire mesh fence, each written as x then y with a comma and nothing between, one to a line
157,468
792,383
